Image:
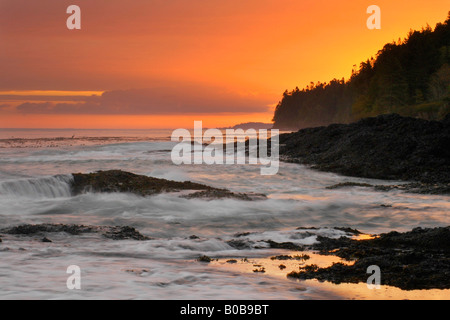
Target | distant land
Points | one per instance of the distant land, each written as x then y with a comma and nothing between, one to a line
252,125
410,77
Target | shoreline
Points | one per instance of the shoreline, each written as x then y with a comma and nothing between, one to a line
412,263
325,289
387,147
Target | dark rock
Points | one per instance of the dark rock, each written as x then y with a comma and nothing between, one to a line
124,233
121,181
242,234
224,194
205,259
414,187
418,187
281,257
114,233
240,244
349,230
232,261
46,240
29,229
285,245
297,257
349,184
419,259
385,147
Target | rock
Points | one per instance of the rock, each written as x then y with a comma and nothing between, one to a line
414,187
297,257
419,259
124,233
114,233
260,270
285,245
384,147
121,181
46,240
232,261
349,184
29,229
224,194
240,244
205,259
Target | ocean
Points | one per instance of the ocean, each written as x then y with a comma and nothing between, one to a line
35,176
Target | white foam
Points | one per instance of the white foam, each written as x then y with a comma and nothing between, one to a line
46,187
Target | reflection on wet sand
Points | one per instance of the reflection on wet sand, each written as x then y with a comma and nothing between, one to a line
287,262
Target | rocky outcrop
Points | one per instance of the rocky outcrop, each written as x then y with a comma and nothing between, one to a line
110,232
384,147
419,259
121,181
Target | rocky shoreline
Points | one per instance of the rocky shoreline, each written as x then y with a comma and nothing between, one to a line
387,147
414,260
44,230
419,259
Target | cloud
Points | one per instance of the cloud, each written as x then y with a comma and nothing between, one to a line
161,100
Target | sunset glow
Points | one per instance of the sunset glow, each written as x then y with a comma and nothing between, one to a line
163,64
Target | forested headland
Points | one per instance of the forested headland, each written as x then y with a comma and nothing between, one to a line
410,77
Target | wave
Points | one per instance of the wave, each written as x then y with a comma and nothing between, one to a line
45,187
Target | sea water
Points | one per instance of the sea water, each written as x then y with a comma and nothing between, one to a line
36,169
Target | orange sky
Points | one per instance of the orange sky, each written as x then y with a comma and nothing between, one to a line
166,63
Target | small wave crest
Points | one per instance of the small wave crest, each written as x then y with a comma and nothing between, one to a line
46,187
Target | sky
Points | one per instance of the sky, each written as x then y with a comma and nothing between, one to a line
165,63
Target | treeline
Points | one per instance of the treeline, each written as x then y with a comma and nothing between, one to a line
410,77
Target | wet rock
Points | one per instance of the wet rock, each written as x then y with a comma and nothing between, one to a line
114,233
419,259
121,181
348,230
285,245
126,182
205,259
384,147
242,234
224,194
281,257
240,244
124,233
418,187
414,187
29,229
259,270
232,261
286,257
349,184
